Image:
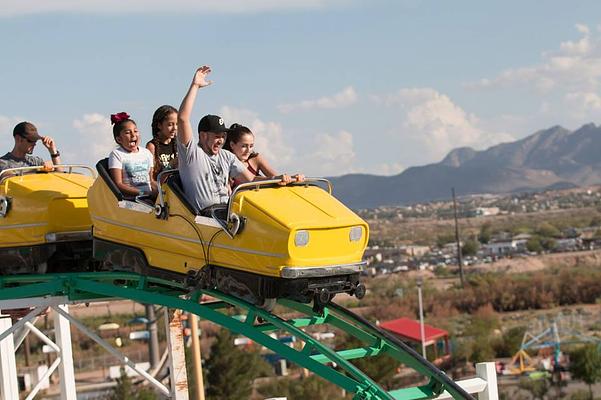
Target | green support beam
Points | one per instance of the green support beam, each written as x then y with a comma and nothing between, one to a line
314,355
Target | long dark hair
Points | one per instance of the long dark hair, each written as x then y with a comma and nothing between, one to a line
159,116
234,134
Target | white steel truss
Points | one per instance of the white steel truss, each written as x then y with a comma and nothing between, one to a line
12,335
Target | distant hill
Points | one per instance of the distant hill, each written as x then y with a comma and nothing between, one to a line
548,159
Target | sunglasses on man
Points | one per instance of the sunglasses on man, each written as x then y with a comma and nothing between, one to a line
29,140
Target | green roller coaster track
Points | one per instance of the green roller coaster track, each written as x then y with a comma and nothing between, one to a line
256,324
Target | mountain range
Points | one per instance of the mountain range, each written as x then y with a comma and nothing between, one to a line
553,158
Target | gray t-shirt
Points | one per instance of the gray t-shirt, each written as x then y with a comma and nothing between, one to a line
206,178
9,161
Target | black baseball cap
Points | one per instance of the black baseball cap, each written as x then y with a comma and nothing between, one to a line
212,123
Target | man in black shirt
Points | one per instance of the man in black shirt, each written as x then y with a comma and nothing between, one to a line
26,136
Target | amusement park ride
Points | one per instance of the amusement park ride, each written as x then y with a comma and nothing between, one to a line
547,340
71,237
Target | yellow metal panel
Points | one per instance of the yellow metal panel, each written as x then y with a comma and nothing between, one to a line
41,204
327,246
300,207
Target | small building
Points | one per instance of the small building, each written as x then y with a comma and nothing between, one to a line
415,251
506,247
435,339
483,212
568,244
499,248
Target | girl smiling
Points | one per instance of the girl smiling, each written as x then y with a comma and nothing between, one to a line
241,141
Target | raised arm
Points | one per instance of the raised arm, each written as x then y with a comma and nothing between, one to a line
55,157
185,131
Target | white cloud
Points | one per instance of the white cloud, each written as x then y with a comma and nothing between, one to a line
345,98
19,7
582,105
6,132
94,140
269,136
584,100
575,66
431,121
582,46
333,155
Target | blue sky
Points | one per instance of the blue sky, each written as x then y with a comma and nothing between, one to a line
329,87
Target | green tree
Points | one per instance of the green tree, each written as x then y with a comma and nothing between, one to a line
585,365
485,233
312,387
533,244
482,350
479,336
230,371
538,388
443,239
380,368
470,247
510,342
547,230
126,390
548,243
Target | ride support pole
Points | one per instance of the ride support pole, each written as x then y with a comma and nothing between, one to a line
177,355
62,331
9,386
198,382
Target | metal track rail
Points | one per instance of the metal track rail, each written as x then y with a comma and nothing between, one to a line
332,365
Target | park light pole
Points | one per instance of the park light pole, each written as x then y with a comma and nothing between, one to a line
419,281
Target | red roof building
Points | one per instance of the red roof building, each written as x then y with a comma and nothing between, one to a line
408,330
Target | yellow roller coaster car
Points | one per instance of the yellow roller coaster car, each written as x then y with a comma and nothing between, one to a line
269,242
45,225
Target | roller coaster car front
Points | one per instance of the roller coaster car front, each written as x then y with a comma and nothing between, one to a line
45,225
269,242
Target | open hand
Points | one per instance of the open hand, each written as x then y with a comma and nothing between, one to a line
48,142
200,77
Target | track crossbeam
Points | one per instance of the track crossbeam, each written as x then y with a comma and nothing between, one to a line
313,355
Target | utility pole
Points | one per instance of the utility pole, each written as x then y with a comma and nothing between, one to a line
153,342
458,242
